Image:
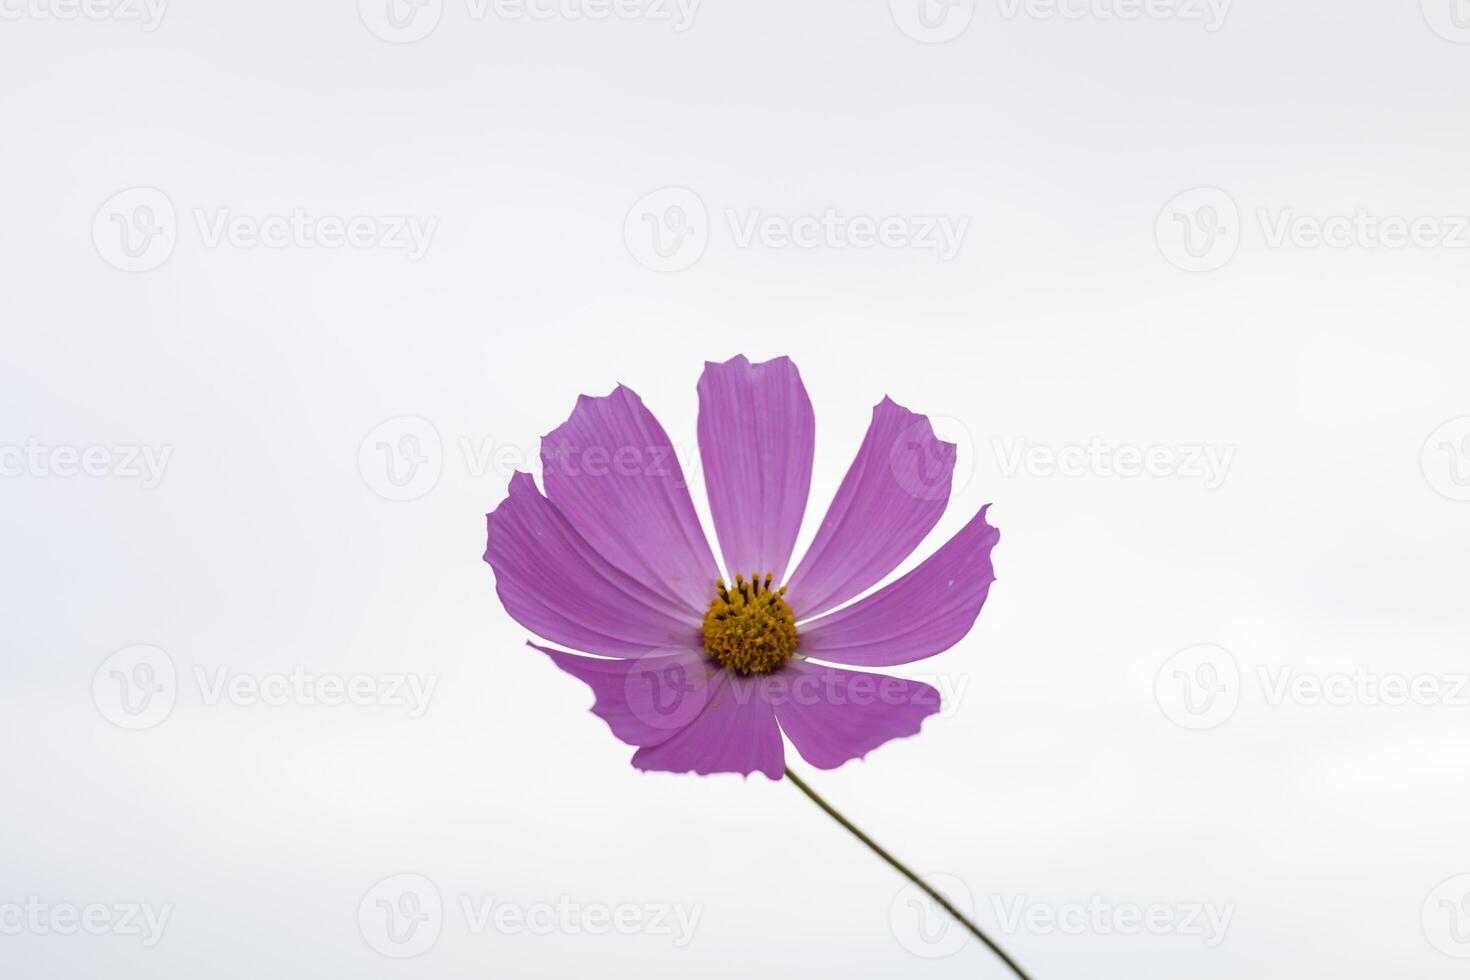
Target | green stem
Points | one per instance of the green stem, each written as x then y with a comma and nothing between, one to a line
898,866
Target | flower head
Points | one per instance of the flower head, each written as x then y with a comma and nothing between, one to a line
703,672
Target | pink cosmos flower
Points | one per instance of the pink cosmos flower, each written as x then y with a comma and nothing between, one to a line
701,671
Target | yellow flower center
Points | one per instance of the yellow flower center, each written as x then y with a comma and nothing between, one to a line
749,629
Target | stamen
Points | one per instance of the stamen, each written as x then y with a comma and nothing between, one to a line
749,629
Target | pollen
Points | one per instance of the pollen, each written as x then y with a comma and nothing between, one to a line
749,628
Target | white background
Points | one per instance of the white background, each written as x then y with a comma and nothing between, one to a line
1066,771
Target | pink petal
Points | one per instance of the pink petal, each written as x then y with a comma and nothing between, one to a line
755,435
893,494
645,700
925,612
737,732
834,715
557,586
612,471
